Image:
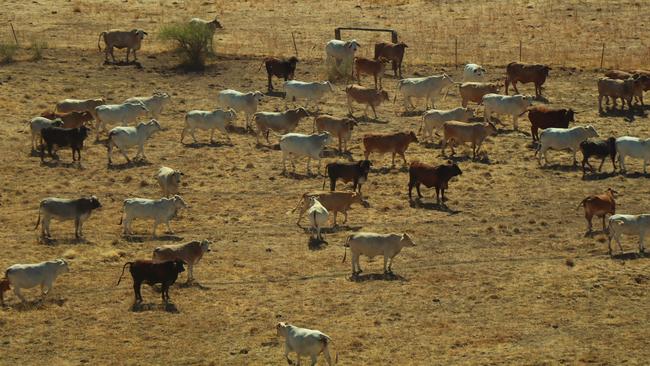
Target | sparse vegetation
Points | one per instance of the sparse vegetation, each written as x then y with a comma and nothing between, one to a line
7,52
193,40
37,47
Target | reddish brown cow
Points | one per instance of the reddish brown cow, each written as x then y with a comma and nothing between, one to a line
526,73
4,286
542,117
394,143
432,176
599,205
393,52
369,67
70,120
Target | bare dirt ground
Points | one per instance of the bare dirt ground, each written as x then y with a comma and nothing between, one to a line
503,275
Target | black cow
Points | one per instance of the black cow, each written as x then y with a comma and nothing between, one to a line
280,68
61,137
600,149
355,172
150,272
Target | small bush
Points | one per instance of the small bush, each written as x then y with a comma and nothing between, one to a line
7,52
37,48
193,40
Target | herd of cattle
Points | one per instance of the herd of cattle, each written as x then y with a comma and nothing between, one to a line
65,126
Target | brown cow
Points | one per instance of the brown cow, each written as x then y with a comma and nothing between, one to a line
474,91
70,120
394,143
338,127
432,176
280,68
526,73
542,117
369,67
370,97
393,52
460,132
599,205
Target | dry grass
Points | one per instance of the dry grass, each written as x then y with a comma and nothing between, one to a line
506,276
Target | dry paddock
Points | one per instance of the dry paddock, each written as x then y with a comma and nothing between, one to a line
503,276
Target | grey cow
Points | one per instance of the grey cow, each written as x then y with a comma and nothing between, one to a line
63,209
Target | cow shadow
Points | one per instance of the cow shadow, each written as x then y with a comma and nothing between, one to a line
376,277
128,165
142,307
316,244
413,113
541,98
598,176
276,94
272,147
62,241
199,145
335,153
134,238
332,230
432,206
55,163
33,305
626,114
560,167
389,170
240,130
482,158
137,64
192,284
635,175
630,256
367,119
431,145
298,176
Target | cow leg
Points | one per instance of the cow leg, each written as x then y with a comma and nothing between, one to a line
155,225
417,189
270,86
314,359
385,264
128,50
136,289
393,160
112,54
514,86
123,154
190,272
645,164
76,228
169,229
601,164
194,136
349,106
345,216
45,289
603,217
46,227
404,158
641,244
437,195
589,217
308,166
600,103
18,294
514,122
334,223
575,162
212,136
355,264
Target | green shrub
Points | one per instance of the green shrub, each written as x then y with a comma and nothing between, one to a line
7,52
37,48
193,40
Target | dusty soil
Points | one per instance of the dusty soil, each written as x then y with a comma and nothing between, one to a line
502,274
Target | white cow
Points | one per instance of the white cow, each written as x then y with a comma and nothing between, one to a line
425,87
31,275
435,118
341,51
125,137
473,72
124,114
318,216
309,91
154,103
562,139
372,245
634,147
208,120
37,124
169,179
513,105
304,342
241,102
629,225
298,144
160,210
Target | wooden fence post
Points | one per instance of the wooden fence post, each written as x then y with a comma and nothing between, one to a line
520,50
602,56
14,32
294,44
456,52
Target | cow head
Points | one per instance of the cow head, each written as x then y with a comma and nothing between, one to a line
412,137
83,132
406,241
176,176
491,128
153,124
293,60
352,45
205,246
591,131
62,265
232,115
214,24
178,266
454,169
179,202
326,137
611,192
384,95
313,200
570,115
329,85
139,33
401,45
258,95
301,112
161,95
365,165
94,202
282,329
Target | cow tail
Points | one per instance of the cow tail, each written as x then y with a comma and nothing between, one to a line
421,124
346,246
298,205
582,203
38,221
121,215
260,68
122,274
99,39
